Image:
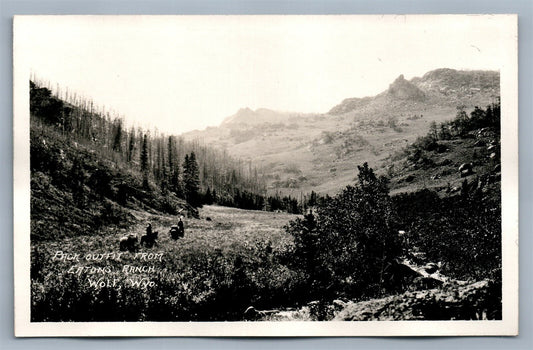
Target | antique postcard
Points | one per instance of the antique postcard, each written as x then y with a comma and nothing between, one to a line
266,175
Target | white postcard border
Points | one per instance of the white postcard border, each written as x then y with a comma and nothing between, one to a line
21,206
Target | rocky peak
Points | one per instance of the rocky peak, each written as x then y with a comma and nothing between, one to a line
405,90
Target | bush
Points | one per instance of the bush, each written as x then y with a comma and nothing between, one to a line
100,182
198,285
463,232
346,249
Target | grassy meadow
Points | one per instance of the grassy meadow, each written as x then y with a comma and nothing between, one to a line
225,263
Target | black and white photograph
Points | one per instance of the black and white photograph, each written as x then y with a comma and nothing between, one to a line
329,175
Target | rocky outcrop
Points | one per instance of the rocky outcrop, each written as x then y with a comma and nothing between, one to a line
405,90
457,300
454,301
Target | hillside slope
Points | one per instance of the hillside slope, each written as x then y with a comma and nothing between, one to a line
76,190
90,174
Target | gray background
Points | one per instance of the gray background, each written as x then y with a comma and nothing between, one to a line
524,8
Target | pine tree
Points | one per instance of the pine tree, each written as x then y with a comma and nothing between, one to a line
131,145
208,198
186,165
191,180
173,170
144,154
175,185
170,155
117,142
144,162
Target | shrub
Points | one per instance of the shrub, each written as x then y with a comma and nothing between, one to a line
346,249
463,232
198,285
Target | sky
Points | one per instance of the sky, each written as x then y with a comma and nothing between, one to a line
180,73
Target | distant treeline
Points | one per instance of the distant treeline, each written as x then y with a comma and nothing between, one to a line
294,205
276,202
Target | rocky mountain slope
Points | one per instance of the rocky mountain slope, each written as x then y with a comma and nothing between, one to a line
303,152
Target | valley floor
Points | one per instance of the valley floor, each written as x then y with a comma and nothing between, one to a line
223,228
216,272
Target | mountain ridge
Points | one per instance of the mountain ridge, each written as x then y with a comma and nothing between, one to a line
439,86
260,115
303,152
